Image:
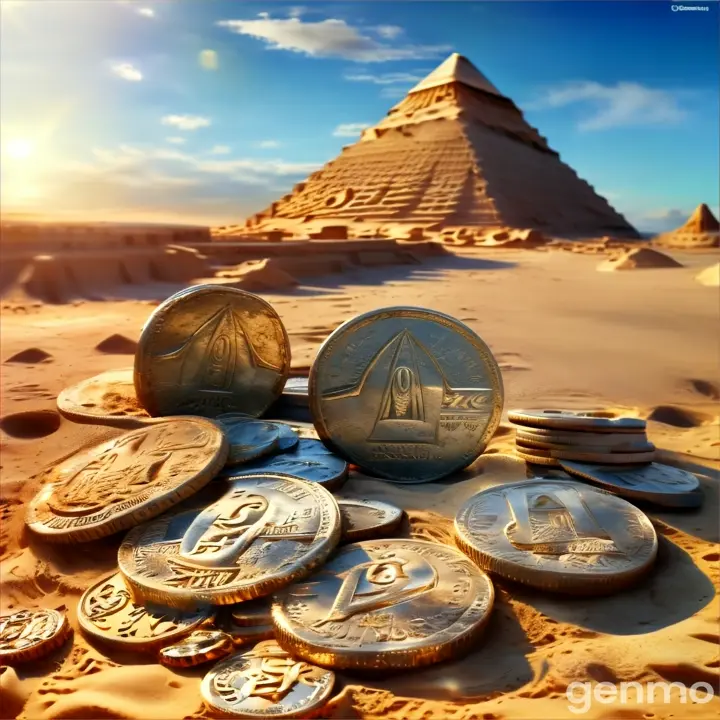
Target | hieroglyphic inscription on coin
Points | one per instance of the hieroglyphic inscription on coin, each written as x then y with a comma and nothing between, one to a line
267,682
30,634
211,350
107,612
131,478
366,519
405,393
262,532
557,535
199,647
385,603
592,420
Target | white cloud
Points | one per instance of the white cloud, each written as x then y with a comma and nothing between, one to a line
399,78
620,105
186,122
350,129
329,38
389,32
175,140
146,12
220,150
127,71
393,93
297,11
268,144
208,60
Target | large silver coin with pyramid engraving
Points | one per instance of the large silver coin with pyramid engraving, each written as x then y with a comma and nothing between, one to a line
258,534
211,350
557,535
385,604
407,394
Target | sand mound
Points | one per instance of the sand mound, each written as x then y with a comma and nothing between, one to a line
31,356
180,264
46,278
710,276
117,345
678,416
31,425
259,275
639,259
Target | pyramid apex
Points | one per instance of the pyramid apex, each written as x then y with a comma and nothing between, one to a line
702,220
456,68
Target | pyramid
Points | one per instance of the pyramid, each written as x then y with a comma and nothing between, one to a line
454,153
701,221
700,231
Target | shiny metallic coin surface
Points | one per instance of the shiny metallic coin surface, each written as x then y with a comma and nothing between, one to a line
199,647
655,483
131,478
304,430
249,439
262,532
287,438
107,612
535,459
210,350
592,420
407,394
266,682
608,458
105,399
385,604
586,442
28,635
295,391
251,613
366,519
557,535
244,635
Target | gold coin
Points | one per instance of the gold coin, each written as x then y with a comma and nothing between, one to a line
197,648
557,535
210,350
537,459
258,534
123,481
385,604
407,394
243,635
31,634
251,613
592,420
107,612
366,519
267,682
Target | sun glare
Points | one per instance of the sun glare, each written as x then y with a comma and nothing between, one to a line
18,149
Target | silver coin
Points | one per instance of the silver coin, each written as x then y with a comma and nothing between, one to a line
295,391
248,439
367,519
301,428
590,442
287,437
592,420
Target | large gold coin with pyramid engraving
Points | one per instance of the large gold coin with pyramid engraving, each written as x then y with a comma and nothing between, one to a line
385,604
408,394
557,535
122,482
210,350
255,535
30,634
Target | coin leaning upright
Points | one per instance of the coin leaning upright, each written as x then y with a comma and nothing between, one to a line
131,478
408,394
210,350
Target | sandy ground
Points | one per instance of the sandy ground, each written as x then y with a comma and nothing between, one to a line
640,342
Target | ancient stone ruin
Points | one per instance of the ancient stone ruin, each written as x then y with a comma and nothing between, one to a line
700,231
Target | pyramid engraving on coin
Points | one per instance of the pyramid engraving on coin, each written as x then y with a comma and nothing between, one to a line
454,152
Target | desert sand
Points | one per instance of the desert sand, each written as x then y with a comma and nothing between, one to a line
565,335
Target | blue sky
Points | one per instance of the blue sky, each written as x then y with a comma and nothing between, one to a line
207,111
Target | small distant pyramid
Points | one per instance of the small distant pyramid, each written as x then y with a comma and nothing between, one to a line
701,221
700,231
455,152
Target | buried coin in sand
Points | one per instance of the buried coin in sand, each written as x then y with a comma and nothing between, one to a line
211,350
197,648
260,534
367,519
107,612
267,682
557,535
134,477
385,604
592,420
407,394
248,439
31,634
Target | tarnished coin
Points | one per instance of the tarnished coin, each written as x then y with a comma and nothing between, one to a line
407,394
385,604
557,535
366,519
295,391
261,533
592,420
249,440
105,399
107,612
655,483
211,350
267,682
609,458
287,438
586,442
123,481
31,634
197,648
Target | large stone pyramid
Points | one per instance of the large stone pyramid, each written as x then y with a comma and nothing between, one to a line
702,230
453,153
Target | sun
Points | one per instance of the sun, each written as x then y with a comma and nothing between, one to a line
18,148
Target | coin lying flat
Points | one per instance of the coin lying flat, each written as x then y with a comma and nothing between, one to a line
261,533
295,391
609,458
592,420
557,535
131,478
287,438
385,604
655,483
366,519
197,648
210,350
266,682
249,440
105,399
405,393
107,612
251,613
304,430
244,635
31,634
586,442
